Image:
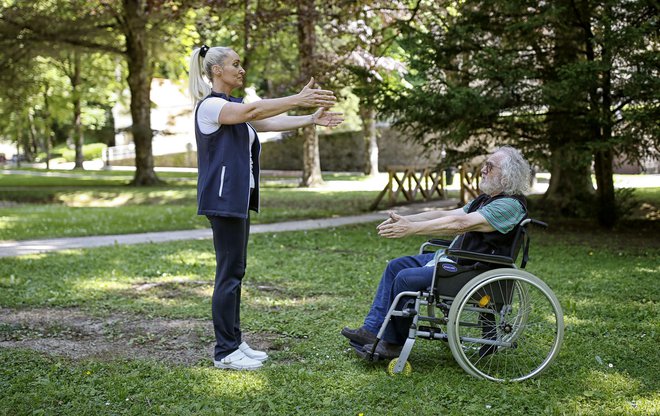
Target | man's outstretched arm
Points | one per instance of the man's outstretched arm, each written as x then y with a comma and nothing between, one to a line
398,226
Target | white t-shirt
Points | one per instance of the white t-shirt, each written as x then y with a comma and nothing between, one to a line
208,114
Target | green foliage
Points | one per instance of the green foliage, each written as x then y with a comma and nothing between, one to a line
626,202
37,86
91,151
489,73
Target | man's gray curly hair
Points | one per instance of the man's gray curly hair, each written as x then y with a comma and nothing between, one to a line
516,172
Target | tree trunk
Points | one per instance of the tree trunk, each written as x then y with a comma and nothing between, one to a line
30,144
311,159
110,125
368,115
139,81
247,37
47,127
570,190
570,187
77,122
604,157
607,212
307,42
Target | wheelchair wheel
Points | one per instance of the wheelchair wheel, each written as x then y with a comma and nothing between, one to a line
407,368
505,325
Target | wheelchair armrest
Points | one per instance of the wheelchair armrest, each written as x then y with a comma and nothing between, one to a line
439,242
436,242
487,258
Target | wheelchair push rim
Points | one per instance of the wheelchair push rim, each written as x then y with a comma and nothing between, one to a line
512,337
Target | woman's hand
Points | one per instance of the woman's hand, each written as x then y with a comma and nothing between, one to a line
311,97
323,117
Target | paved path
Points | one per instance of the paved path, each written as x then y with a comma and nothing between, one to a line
25,247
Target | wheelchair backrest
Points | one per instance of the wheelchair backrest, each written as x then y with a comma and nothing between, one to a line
521,240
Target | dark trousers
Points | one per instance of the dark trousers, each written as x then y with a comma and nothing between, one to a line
230,237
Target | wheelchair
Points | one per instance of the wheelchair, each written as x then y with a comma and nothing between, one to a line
501,323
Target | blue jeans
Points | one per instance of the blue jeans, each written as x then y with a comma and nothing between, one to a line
401,274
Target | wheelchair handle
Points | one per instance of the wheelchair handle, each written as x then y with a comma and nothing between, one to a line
534,222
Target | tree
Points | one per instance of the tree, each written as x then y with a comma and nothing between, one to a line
619,41
307,19
134,29
548,77
370,56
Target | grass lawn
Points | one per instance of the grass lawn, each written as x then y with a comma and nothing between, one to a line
88,203
126,330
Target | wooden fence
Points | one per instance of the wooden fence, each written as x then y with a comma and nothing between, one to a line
470,176
416,184
412,184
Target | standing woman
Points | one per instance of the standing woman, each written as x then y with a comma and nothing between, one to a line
228,181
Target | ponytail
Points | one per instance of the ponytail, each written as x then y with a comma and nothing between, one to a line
197,85
201,64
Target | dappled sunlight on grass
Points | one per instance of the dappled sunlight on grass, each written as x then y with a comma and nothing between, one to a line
233,384
97,285
5,223
123,197
270,302
31,221
611,381
151,300
574,320
609,391
647,269
89,200
189,257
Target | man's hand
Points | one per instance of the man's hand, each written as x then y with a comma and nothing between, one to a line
395,226
388,220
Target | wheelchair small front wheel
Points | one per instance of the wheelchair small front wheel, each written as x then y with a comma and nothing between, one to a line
406,371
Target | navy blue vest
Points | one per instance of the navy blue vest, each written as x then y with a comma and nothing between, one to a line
488,243
223,162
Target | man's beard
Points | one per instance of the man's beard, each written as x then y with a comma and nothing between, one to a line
489,186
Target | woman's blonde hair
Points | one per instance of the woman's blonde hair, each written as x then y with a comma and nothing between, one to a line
201,66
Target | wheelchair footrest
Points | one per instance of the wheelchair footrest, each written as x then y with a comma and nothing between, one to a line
365,355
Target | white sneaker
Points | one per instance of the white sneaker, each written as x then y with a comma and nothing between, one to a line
254,354
237,360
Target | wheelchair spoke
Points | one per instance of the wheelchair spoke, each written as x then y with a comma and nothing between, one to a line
508,327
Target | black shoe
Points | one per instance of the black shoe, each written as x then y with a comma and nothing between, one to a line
359,336
384,350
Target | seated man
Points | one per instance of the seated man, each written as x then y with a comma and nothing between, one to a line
487,225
